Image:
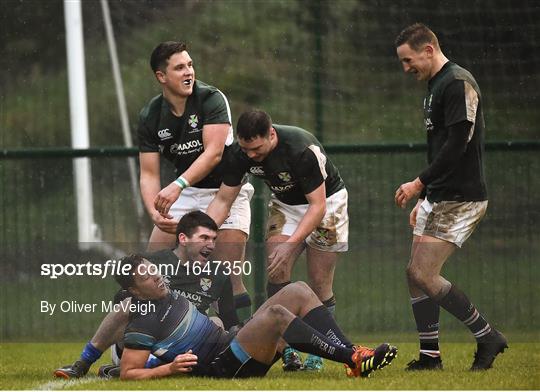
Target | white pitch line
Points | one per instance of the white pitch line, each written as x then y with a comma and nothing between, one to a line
61,384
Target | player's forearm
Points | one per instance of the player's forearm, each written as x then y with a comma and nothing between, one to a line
219,209
450,153
145,374
202,166
150,187
310,221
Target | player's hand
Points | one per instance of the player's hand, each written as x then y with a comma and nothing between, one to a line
166,198
183,363
408,191
165,223
279,260
414,212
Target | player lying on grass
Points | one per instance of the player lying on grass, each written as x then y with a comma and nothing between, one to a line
196,233
189,342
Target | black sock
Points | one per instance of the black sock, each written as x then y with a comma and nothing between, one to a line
457,304
242,305
242,300
330,304
321,320
302,337
426,314
272,288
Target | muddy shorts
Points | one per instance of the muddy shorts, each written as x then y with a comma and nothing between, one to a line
451,221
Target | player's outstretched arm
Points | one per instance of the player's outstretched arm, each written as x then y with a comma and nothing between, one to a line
214,138
220,207
133,361
281,255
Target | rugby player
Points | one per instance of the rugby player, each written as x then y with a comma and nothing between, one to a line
189,124
308,206
188,342
452,197
196,235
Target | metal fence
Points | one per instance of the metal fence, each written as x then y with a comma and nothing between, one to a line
498,267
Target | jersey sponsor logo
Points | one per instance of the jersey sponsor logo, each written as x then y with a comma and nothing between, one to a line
186,148
164,134
193,121
206,284
256,170
284,176
281,189
191,297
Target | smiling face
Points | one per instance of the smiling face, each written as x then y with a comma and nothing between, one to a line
179,76
258,148
147,282
417,62
200,245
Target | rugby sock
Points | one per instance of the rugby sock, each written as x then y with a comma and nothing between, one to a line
304,338
426,314
272,288
321,320
242,304
90,354
330,304
457,304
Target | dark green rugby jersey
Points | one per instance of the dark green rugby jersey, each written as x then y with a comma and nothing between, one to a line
453,96
296,167
180,139
199,287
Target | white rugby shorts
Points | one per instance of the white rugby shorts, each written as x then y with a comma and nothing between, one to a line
199,199
331,235
451,221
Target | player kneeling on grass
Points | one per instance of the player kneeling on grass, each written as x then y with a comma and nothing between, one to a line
188,342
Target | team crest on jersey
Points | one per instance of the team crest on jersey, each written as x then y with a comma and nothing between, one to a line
284,176
193,121
206,284
256,170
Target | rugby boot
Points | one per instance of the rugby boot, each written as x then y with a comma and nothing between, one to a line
367,360
313,363
76,370
291,360
491,345
109,371
425,362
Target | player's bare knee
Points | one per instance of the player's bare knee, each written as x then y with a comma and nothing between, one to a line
279,314
415,276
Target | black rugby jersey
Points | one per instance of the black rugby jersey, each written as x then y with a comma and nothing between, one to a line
175,327
296,167
201,288
453,97
179,139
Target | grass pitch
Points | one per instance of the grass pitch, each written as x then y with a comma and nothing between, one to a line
30,366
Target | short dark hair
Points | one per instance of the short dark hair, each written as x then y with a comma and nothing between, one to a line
188,223
127,278
252,124
161,54
417,35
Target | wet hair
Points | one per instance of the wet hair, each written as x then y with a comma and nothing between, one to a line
127,278
252,124
188,223
417,35
162,53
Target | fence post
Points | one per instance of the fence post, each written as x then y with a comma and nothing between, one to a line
259,252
